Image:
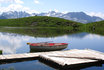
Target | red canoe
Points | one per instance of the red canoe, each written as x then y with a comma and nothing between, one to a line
47,46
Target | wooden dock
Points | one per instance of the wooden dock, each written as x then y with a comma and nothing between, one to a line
62,58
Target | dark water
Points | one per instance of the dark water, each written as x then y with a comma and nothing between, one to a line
12,43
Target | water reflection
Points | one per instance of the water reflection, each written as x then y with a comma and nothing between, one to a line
27,65
79,35
39,32
10,68
11,43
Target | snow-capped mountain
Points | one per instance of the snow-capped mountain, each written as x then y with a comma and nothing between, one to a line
2,17
81,17
51,13
74,16
15,14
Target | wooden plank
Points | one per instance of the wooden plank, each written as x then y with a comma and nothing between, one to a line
74,57
66,61
67,57
2,57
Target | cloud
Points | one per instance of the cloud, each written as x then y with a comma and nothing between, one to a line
99,14
14,7
92,36
36,1
5,1
17,7
18,1
11,1
64,12
53,10
10,43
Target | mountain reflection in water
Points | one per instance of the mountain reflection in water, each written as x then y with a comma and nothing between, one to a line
11,43
15,43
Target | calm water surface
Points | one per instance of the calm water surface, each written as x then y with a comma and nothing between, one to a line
11,43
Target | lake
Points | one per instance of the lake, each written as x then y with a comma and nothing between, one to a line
13,41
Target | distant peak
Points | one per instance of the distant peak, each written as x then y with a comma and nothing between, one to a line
77,12
51,12
74,16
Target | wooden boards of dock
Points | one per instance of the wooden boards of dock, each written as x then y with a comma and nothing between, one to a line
62,58
73,57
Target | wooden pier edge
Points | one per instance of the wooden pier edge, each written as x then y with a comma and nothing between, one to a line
5,61
60,59
79,66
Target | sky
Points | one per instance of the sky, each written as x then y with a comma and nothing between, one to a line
90,7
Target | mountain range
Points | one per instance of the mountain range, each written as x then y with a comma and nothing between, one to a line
74,16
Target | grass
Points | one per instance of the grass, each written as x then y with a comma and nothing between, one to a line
39,21
95,27
45,22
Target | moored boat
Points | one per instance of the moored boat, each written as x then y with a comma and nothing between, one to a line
47,46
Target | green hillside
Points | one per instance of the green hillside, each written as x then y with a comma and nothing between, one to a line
97,24
41,21
96,27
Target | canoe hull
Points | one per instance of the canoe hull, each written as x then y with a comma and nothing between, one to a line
47,48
